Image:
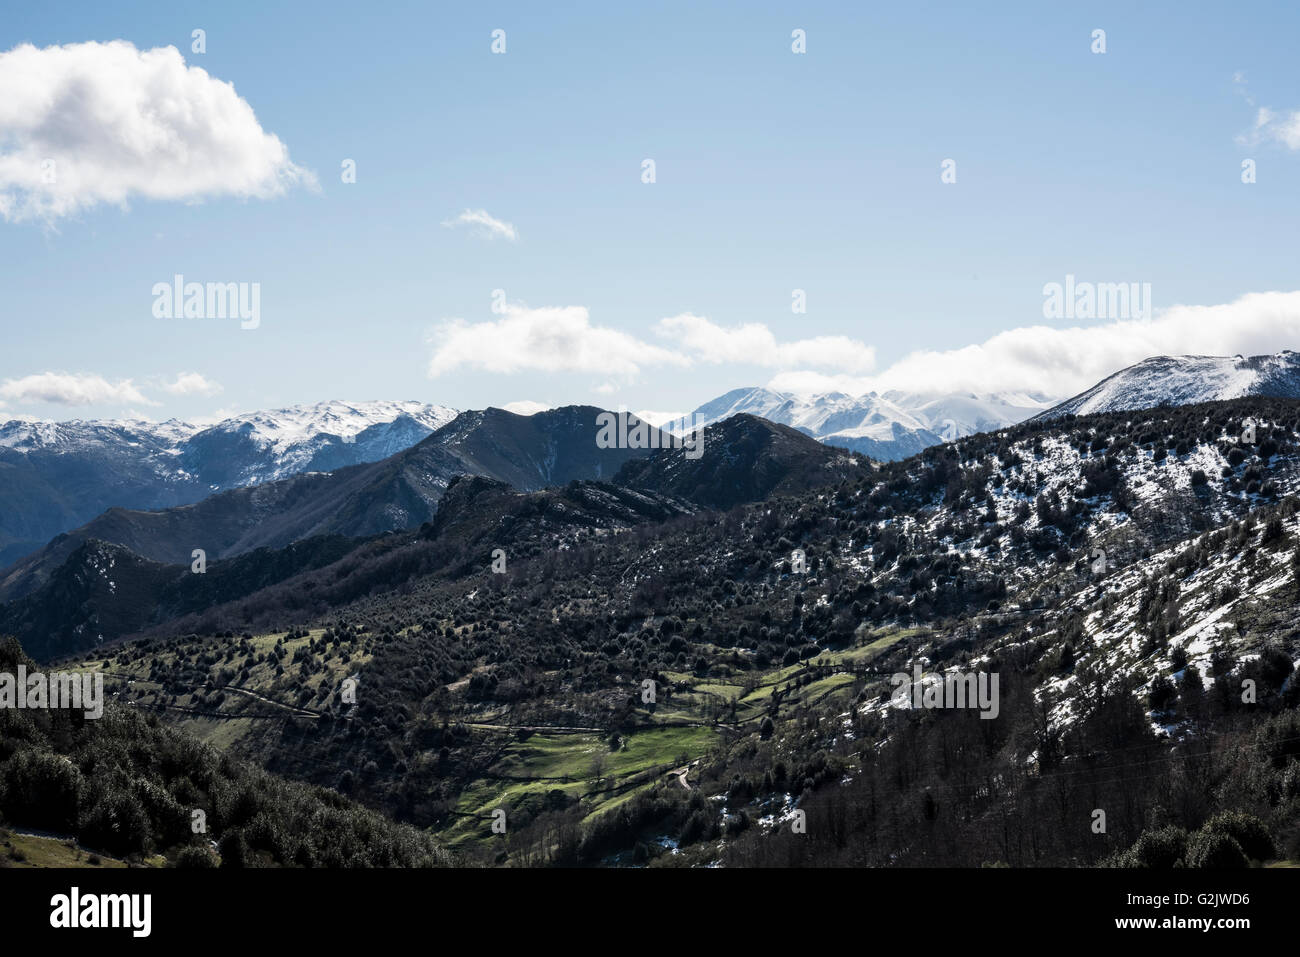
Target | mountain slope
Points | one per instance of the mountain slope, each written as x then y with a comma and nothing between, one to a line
124,784
55,476
103,591
1184,380
402,491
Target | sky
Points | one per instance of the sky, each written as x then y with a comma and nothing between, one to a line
917,177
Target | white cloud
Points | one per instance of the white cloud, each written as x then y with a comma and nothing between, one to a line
1065,361
1053,360
1270,125
753,344
487,225
526,407
91,123
563,339
61,388
1285,129
191,383
552,339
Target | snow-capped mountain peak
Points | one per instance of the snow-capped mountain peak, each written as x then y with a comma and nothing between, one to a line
1186,380
278,430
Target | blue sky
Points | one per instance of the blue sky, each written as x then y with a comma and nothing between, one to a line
774,171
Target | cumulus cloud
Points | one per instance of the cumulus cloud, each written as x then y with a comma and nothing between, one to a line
191,383
754,344
61,388
1062,362
485,224
552,339
91,123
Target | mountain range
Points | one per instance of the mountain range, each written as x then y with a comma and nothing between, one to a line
55,476
266,479
885,426
506,589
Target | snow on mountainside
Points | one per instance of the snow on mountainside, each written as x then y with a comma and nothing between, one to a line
1220,578
284,435
888,427
1186,380
958,414
275,444
28,435
281,429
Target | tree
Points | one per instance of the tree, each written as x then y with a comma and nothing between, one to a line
234,849
195,857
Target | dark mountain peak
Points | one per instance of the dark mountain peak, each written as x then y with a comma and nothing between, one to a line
746,424
743,458
466,497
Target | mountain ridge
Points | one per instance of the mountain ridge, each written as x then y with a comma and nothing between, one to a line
401,491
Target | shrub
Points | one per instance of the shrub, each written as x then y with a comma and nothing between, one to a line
1246,829
1160,848
1215,850
195,857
